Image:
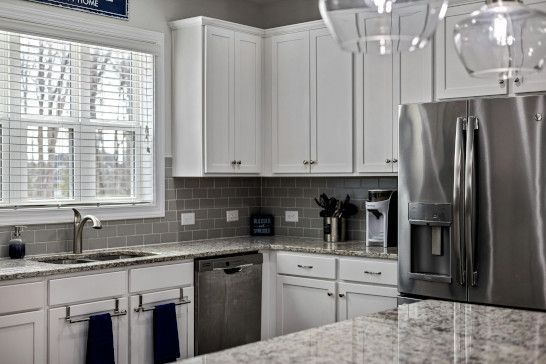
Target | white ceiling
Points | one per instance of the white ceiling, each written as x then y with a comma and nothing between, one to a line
263,2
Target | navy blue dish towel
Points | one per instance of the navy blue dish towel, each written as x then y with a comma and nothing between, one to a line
100,340
166,345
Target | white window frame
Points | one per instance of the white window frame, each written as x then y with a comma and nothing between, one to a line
19,18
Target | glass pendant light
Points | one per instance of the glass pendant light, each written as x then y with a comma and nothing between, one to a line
504,39
371,26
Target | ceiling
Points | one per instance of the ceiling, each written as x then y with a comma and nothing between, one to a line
263,2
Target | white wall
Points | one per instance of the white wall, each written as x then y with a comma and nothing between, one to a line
286,12
154,15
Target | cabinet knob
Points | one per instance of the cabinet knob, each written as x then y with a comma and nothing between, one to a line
388,161
330,294
341,295
313,162
395,160
305,162
233,163
502,83
239,163
517,81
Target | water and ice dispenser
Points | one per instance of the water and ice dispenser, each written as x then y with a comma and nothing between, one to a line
430,226
381,218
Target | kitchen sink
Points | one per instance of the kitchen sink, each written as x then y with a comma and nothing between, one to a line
67,261
91,257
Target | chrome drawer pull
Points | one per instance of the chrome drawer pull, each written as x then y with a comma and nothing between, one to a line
183,300
305,266
374,273
116,312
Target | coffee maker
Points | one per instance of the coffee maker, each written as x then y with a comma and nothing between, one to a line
381,218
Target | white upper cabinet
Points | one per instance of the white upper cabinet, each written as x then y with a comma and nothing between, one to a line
452,79
219,100
331,105
413,71
312,104
217,70
248,102
535,82
290,103
375,130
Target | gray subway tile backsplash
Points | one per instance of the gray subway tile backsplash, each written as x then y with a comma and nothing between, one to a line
209,198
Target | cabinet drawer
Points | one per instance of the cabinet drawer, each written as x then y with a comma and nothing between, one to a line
369,271
160,277
22,297
306,265
86,288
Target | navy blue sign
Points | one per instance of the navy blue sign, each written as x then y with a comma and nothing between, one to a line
113,8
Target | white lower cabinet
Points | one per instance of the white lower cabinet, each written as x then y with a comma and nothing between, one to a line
303,303
359,299
141,341
68,341
23,338
326,289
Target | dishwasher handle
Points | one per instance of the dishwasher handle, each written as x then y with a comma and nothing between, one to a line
239,267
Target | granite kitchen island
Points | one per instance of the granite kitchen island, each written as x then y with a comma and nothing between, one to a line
425,332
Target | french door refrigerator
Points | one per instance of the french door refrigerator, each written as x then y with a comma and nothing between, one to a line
472,197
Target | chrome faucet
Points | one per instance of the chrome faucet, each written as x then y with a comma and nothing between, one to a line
79,223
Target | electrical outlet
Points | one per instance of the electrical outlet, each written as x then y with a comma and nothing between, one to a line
187,218
232,215
291,216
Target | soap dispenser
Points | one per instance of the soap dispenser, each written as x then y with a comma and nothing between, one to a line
16,245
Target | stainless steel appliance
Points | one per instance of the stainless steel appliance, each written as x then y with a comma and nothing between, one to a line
472,196
381,214
229,301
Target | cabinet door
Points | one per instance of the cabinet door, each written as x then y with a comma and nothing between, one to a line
142,324
413,70
359,299
248,74
303,303
375,131
452,79
219,100
331,105
23,338
68,341
290,103
537,81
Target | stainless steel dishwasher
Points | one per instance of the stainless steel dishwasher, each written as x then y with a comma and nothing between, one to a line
228,309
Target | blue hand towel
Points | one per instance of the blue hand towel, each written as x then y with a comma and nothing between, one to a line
100,340
166,345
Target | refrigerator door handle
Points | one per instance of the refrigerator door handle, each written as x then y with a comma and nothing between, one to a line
458,176
470,198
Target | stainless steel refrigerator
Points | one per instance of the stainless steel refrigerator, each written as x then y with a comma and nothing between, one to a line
472,201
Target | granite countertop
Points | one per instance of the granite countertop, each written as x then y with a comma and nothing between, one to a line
424,332
29,268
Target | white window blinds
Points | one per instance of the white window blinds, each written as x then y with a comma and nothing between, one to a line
76,123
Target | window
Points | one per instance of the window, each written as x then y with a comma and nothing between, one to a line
76,123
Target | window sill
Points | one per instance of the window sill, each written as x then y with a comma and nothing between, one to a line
66,215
